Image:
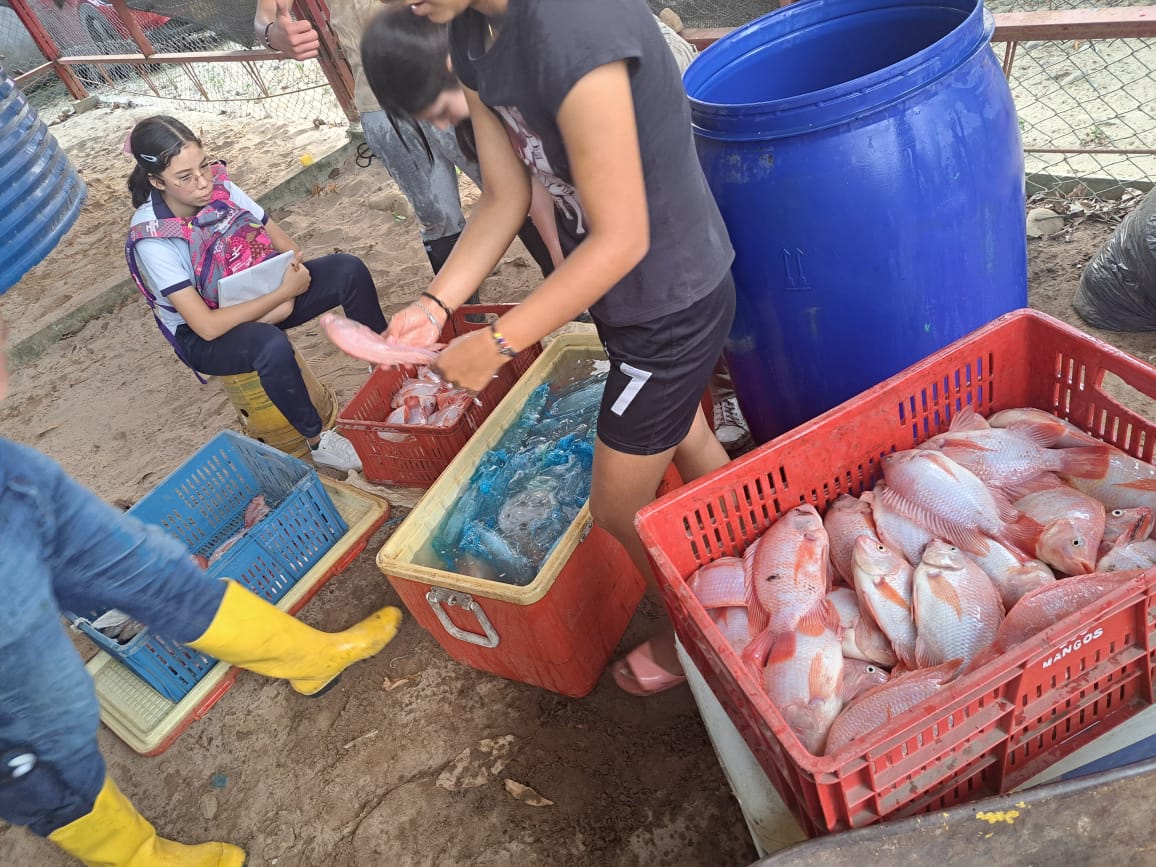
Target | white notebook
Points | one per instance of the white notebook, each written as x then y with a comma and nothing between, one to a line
253,282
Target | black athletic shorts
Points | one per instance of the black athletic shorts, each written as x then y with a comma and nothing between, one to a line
659,371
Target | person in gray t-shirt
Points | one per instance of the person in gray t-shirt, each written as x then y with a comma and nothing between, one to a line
586,98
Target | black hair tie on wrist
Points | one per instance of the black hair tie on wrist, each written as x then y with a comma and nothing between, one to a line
265,36
440,303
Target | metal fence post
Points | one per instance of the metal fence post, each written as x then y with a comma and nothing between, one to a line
329,55
48,48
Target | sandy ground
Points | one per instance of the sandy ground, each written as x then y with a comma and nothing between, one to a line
633,782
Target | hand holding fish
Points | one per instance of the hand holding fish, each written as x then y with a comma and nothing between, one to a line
416,325
470,361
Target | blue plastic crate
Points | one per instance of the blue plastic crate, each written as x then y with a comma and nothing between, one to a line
203,503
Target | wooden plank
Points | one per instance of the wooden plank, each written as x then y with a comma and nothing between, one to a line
1124,22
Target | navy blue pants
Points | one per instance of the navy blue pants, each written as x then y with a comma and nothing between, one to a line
61,546
339,279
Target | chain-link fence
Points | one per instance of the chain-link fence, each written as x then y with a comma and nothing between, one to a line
241,88
1086,106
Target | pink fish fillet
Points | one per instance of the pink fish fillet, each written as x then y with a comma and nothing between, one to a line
934,491
845,520
879,706
787,570
1048,605
957,609
804,675
362,342
721,584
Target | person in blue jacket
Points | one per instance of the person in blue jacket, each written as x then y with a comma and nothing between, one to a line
62,547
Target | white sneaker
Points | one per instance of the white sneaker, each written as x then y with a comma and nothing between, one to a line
730,427
336,452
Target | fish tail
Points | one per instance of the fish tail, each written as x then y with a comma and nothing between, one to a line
1088,462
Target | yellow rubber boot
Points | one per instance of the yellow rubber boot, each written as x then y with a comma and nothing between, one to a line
249,632
114,834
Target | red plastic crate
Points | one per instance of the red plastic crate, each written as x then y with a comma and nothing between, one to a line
994,728
415,455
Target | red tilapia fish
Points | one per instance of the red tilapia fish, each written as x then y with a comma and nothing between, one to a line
803,675
362,342
935,492
1047,606
879,706
950,563
425,399
787,570
846,520
957,608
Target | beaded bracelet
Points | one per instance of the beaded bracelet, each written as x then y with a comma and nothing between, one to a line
503,345
440,303
265,36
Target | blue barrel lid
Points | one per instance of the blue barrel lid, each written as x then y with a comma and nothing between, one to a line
40,190
817,63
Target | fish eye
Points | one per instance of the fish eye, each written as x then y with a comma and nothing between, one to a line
871,669
1077,543
1117,513
881,548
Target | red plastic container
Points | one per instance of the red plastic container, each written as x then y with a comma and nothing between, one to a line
415,455
559,631
994,728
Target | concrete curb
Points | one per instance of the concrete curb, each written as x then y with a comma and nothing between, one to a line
289,190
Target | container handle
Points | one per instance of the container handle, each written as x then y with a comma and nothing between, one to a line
439,596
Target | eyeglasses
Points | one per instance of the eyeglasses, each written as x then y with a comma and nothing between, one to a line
189,180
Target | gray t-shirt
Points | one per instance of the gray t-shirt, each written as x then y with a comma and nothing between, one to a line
543,48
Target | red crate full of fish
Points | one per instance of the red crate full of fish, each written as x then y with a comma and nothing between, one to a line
1015,711
414,455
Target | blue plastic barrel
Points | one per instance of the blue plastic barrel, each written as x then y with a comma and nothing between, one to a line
866,157
40,191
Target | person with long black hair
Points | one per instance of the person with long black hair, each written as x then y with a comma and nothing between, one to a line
176,187
587,99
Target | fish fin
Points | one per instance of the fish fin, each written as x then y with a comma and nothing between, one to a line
945,592
949,442
755,654
1088,462
952,668
1004,509
1139,485
756,614
824,681
968,419
1022,535
1043,434
1035,485
819,619
925,657
967,538
780,647
891,595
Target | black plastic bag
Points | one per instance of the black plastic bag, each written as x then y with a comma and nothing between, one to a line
1118,288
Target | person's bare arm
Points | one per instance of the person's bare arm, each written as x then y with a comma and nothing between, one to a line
295,38
600,133
495,220
281,240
